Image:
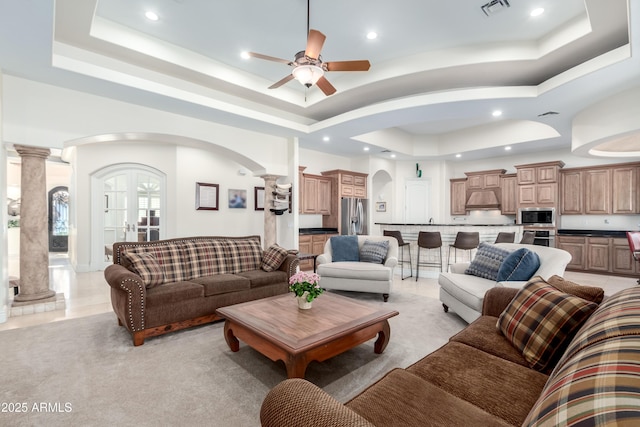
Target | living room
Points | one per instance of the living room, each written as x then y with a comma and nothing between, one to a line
188,134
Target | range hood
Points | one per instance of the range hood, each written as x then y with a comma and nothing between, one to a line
482,200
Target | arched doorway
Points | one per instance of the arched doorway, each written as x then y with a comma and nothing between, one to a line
59,219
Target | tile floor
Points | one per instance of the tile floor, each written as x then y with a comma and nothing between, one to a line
88,293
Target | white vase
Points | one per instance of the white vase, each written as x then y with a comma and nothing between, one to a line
303,304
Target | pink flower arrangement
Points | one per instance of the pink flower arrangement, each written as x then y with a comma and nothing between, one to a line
302,282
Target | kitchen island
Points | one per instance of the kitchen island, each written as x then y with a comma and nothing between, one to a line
487,232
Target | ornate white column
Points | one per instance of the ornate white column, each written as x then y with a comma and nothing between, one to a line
270,225
34,247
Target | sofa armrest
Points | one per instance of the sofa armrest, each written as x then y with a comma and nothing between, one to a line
496,300
128,296
324,258
459,267
391,262
299,403
290,265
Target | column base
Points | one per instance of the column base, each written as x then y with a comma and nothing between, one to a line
34,298
56,302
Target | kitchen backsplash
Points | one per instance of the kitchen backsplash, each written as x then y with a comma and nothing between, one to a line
600,222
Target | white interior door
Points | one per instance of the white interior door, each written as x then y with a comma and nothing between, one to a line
132,207
417,210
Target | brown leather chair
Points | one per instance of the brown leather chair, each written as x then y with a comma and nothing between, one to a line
429,240
465,240
528,237
504,237
401,245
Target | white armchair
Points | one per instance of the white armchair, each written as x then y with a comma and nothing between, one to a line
359,276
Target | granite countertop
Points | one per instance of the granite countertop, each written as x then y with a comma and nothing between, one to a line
318,230
592,233
450,225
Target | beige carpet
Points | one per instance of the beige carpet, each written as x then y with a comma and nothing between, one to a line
86,371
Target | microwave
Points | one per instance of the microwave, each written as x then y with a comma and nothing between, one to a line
537,217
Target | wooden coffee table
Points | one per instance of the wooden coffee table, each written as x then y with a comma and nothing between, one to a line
279,330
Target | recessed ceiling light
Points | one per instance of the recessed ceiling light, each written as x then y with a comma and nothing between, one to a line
393,156
371,35
326,139
245,55
151,16
366,148
496,113
536,12
458,155
507,148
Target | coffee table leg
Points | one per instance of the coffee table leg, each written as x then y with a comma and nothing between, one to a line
296,367
232,341
383,338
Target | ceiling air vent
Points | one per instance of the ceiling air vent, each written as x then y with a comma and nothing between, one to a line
495,6
548,113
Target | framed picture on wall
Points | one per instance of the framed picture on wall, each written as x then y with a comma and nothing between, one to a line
258,197
207,196
237,199
381,206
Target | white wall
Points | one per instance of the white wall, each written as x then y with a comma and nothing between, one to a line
4,262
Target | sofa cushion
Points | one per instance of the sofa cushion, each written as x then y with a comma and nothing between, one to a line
603,367
465,288
206,257
146,266
273,257
170,255
590,293
222,283
484,380
402,399
259,277
374,252
487,261
541,320
345,248
483,335
519,265
171,293
355,270
242,254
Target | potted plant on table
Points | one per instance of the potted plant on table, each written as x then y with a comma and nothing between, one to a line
306,287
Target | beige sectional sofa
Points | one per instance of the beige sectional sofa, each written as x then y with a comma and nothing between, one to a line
167,285
479,378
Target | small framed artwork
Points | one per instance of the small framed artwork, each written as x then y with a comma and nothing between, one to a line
381,206
258,196
237,199
207,196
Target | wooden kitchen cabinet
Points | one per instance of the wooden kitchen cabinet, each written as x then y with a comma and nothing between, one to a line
598,254
571,193
509,204
458,196
324,196
344,184
538,184
315,194
622,261
623,181
310,195
576,246
597,184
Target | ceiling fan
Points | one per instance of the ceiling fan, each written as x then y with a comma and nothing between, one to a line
308,66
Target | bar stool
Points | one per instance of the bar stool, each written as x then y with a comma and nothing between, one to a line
504,237
401,244
528,237
429,240
465,240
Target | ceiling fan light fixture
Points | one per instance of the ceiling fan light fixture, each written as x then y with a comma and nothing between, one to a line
307,74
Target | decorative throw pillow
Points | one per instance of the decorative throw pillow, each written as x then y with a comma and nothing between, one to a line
487,261
273,257
520,265
145,265
374,252
540,321
345,248
590,293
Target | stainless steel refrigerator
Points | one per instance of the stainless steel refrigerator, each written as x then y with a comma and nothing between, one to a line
354,216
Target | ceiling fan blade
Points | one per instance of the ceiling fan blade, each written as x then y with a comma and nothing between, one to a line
314,44
362,65
269,58
325,86
281,82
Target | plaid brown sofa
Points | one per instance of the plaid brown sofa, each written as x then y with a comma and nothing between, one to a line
479,379
167,285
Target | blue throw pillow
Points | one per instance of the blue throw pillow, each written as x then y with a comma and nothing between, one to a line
487,261
519,266
345,248
374,252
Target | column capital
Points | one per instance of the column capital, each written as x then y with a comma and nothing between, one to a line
28,151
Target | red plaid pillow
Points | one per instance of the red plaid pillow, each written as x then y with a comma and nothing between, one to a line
540,321
146,266
273,257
